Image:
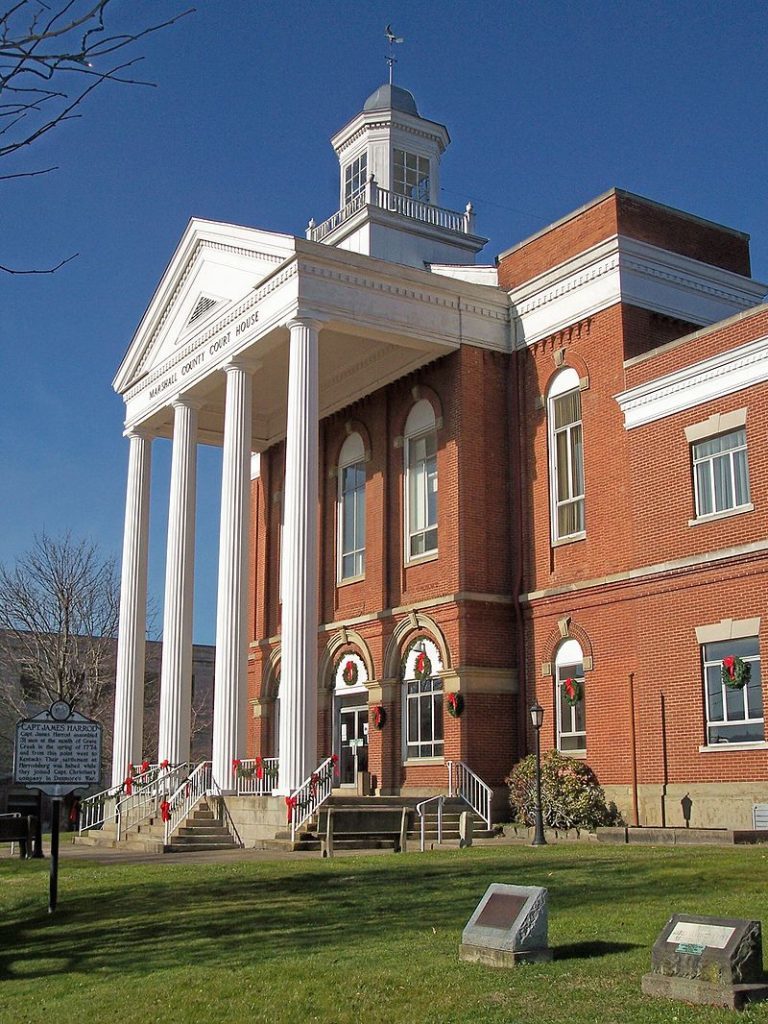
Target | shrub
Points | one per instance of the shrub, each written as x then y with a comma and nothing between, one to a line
571,796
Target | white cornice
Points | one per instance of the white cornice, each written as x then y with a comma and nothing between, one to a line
621,269
701,382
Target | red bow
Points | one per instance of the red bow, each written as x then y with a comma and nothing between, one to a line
128,785
569,688
164,763
421,660
259,769
290,803
144,767
236,764
335,763
729,664
165,811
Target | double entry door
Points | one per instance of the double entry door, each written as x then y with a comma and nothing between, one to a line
353,743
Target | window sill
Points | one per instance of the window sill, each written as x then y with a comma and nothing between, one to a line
418,762
572,539
724,748
350,579
421,559
577,755
726,514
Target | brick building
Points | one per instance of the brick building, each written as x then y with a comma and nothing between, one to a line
470,485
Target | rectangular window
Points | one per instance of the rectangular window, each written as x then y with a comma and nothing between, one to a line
352,521
411,176
424,717
720,475
733,715
568,465
422,495
355,177
571,718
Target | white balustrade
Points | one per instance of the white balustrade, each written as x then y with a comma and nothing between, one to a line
394,202
256,776
469,787
311,794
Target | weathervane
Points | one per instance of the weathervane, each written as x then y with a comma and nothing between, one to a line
391,59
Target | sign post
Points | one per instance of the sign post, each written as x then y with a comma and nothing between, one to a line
57,752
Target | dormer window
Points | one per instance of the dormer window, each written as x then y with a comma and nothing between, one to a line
411,176
355,176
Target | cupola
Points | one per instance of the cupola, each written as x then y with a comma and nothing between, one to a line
389,187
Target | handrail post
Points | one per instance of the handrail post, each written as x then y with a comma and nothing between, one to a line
422,815
440,821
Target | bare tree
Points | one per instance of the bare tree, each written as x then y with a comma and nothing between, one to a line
53,55
59,609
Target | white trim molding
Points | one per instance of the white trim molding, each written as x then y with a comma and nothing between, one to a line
622,269
709,379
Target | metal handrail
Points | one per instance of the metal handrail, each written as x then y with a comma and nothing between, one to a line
420,810
184,798
92,810
257,776
132,810
469,787
304,802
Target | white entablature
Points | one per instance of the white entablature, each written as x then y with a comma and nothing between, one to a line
378,321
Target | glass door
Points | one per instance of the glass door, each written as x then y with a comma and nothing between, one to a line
353,741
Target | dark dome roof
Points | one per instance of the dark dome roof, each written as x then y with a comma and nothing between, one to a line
392,97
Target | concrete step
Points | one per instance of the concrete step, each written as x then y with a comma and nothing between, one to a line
208,840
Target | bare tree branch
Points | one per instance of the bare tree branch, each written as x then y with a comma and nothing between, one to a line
52,57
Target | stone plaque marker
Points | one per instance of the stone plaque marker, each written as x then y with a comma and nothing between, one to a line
509,926
712,960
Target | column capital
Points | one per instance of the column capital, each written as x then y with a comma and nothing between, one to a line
244,362
139,430
185,401
312,322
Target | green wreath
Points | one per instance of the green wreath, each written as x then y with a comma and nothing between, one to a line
572,691
735,672
349,670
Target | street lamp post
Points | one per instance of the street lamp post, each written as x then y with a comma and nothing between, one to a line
537,719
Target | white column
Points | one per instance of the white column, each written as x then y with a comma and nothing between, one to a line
231,681
176,675
129,675
298,675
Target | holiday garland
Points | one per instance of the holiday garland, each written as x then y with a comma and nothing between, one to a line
735,672
572,691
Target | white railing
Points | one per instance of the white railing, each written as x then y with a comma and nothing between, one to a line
469,787
311,794
92,811
256,776
421,810
181,801
405,206
151,788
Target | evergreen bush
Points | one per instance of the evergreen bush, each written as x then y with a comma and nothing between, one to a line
571,796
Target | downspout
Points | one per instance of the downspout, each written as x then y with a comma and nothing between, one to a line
515,406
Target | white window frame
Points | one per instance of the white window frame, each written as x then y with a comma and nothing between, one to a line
429,687
421,423
355,177
712,654
708,460
415,173
352,456
570,656
565,383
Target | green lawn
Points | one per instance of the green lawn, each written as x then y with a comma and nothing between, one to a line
362,939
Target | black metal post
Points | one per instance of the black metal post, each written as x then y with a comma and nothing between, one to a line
538,837
53,890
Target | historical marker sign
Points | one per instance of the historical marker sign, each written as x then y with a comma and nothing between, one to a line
713,960
57,751
509,925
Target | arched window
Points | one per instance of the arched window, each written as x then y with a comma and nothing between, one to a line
420,496
570,698
423,701
351,509
566,456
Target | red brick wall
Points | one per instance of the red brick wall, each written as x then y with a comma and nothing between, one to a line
625,214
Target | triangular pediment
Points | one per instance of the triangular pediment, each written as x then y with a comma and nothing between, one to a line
214,266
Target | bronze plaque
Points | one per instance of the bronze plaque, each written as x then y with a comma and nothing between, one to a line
500,911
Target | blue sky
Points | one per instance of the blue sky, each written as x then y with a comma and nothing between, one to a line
548,105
